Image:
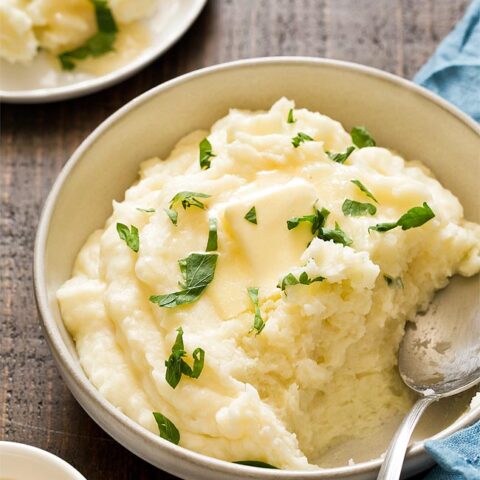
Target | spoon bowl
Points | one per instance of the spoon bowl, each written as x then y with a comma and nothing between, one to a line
439,356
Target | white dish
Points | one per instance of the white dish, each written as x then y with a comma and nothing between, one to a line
43,81
18,461
403,116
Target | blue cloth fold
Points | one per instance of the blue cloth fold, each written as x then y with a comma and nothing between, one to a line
453,71
458,456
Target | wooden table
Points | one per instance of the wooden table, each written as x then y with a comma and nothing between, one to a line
36,407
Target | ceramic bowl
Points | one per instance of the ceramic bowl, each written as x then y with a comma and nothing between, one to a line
18,461
403,117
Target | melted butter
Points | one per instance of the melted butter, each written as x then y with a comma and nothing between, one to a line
132,40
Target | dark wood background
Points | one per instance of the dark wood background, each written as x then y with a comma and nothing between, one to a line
36,140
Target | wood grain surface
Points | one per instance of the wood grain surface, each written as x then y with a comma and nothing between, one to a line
36,140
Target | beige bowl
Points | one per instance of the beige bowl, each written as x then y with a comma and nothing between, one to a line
402,116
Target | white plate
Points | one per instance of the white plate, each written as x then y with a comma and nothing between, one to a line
43,81
18,462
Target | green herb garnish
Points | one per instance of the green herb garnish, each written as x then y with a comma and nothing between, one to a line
258,323
394,282
176,365
205,154
303,279
361,137
415,217
300,138
212,242
336,235
146,210
187,199
101,43
167,429
357,209
256,463
340,157
290,118
364,189
197,271
129,236
251,215
317,219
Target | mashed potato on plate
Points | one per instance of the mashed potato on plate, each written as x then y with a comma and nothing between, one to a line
291,254
57,26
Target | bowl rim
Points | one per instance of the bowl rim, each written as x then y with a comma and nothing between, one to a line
92,85
71,369
44,456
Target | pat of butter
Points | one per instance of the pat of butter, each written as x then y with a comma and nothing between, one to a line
265,250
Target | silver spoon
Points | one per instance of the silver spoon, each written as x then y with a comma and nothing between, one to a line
439,356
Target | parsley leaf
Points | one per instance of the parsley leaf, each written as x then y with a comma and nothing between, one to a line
415,217
205,154
146,210
357,209
167,429
258,323
337,235
97,45
340,157
317,219
212,242
176,365
361,137
129,236
393,282
251,215
364,189
197,271
290,118
303,279
187,199
300,138
256,463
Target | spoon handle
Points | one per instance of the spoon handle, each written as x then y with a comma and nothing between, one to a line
392,464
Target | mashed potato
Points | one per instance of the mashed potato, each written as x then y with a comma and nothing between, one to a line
322,370
57,25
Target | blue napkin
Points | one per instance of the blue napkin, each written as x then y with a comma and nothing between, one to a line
458,456
453,72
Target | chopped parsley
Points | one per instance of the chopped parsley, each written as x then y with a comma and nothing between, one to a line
176,365
290,118
300,138
258,323
303,279
197,271
415,217
187,199
318,220
101,43
256,463
212,242
340,157
205,154
251,215
364,189
394,282
167,429
336,235
146,210
129,236
353,208
361,137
